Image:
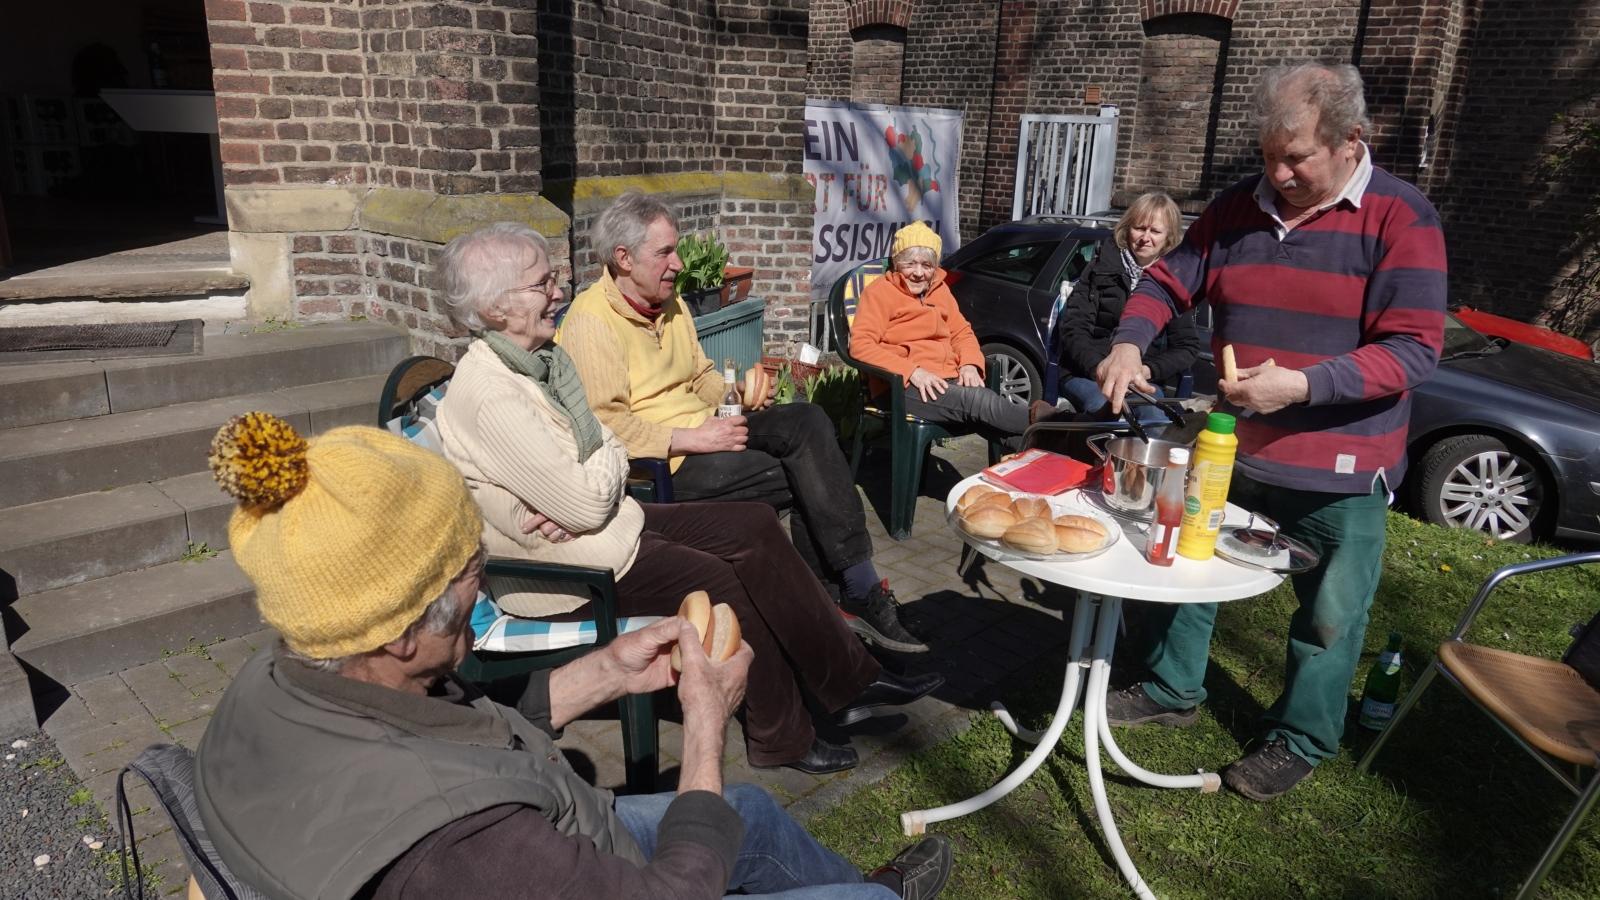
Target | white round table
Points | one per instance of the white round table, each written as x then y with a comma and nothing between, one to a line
1103,582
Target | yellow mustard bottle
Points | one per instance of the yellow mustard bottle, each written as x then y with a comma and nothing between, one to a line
1206,492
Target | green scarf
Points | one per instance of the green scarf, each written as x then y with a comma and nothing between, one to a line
553,371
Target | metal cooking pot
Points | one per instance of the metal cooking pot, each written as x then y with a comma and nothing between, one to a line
1133,470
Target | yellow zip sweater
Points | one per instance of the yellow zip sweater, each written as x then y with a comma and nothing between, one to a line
643,378
518,453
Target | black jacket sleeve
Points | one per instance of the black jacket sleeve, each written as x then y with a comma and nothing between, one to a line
1181,350
1080,351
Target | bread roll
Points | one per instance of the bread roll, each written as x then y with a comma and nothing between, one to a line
972,494
1031,507
723,640
1031,536
1070,539
987,521
756,382
696,607
1083,522
996,500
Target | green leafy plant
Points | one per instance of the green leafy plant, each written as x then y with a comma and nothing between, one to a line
198,552
704,260
838,392
784,388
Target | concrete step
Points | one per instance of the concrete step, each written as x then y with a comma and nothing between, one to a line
255,359
56,543
60,459
98,627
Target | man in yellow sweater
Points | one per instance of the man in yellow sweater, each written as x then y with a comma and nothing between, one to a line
647,379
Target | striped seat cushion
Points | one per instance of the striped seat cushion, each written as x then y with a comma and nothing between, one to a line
498,632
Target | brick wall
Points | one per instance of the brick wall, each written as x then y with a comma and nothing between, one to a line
1181,75
876,54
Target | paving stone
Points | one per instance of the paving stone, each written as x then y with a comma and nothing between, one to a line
110,700
231,654
197,672
165,695
189,733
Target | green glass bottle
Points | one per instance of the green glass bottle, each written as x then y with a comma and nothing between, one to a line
1382,691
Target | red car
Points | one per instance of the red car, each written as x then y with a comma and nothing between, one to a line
1522,332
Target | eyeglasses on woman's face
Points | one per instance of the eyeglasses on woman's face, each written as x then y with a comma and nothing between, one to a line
546,287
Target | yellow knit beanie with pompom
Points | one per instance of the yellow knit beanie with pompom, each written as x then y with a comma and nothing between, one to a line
917,234
349,536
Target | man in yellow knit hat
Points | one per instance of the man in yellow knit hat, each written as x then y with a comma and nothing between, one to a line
350,760
647,379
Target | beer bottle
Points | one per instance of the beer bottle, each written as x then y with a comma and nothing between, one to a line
730,405
1383,687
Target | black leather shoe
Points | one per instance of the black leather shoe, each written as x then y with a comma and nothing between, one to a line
889,690
823,758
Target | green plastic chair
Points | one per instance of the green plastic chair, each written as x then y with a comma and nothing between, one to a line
909,437
406,407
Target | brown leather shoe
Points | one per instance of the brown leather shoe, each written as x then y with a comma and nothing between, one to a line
1040,410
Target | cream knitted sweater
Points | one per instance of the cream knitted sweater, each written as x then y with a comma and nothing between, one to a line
518,453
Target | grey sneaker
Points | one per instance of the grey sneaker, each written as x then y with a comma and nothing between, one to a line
1268,771
1132,706
876,620
923,868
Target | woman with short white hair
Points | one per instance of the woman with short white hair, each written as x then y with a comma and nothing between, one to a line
907,323
551,482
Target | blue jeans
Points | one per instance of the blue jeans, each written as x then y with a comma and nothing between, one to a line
778,857
1084,395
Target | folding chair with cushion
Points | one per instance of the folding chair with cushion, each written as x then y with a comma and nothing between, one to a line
169,771
909,436
1551,708
505,645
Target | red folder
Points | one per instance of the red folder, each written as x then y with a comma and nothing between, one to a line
1038,472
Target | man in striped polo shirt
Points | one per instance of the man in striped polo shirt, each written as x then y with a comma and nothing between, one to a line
1335,270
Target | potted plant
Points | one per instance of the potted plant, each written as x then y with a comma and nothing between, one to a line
707,283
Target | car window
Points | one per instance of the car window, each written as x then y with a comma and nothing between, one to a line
1074,265
1020,264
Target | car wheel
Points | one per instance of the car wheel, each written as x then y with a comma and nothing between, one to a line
1019,377
1476,481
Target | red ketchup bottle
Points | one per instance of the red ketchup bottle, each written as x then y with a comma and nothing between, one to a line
1163,542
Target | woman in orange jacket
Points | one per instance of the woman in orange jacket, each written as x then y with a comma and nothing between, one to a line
907,323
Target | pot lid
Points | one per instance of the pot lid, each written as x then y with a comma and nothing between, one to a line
1260,546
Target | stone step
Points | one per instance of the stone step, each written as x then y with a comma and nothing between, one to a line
56,543
254,359
60,459
98,627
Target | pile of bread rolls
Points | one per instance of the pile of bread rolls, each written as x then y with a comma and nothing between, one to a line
1026,523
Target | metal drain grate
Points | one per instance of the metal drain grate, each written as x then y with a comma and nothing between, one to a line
39,338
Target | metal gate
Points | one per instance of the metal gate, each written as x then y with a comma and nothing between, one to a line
1064,164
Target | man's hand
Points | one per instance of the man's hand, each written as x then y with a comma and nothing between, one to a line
969,376
709,693
1121,367
535,521
929,385
1266,388
642,659
714,435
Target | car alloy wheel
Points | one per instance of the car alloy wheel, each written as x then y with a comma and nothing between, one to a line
1019,379
1477,482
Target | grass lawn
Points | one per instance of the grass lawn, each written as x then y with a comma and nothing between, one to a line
1452,809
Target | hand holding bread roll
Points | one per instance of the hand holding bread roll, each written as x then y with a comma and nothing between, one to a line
717,626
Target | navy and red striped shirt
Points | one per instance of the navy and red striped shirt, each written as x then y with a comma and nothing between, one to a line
1354,297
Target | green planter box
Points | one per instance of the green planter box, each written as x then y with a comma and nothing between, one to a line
732,331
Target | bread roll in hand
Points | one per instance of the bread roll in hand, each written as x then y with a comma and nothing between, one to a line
717,626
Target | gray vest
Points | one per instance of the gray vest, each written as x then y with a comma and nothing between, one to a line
311,783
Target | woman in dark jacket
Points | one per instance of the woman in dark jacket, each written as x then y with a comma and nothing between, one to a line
1145,233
